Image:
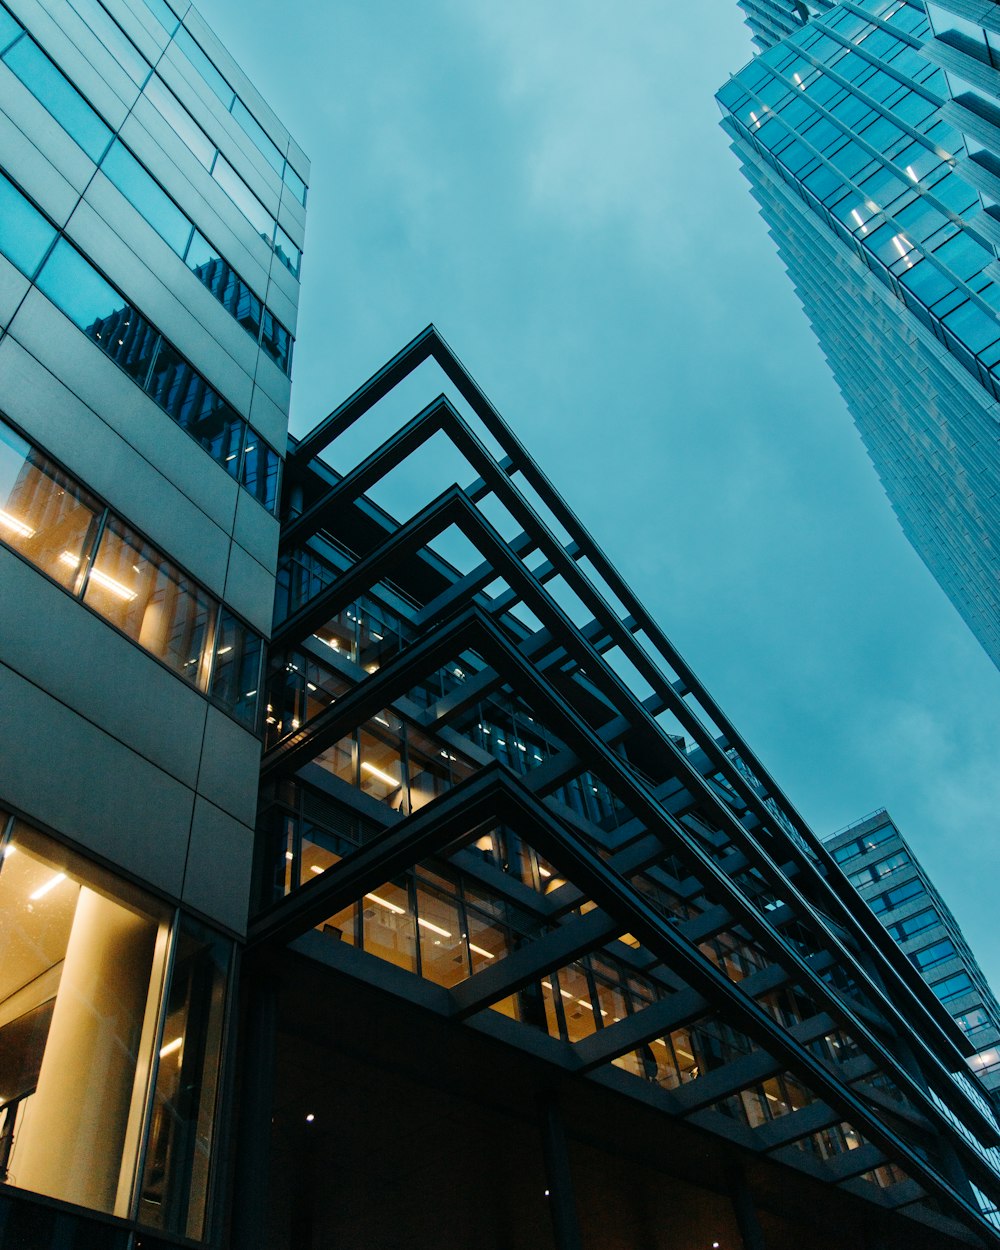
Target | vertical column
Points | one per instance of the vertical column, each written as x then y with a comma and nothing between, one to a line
745,1211
254,1109
562,1205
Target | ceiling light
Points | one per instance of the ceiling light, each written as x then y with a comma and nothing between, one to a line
313,868
397,911
289,855
426,924
9,850
170,1047
223,651
114,587
18,527
51,884
377,772
479,951
310,1117
543,872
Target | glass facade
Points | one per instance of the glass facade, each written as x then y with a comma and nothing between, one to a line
871,159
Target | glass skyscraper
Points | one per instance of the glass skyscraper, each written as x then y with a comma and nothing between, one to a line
870,135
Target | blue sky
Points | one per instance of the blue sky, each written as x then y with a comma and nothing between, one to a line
548,183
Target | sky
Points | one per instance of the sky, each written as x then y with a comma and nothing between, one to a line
547,181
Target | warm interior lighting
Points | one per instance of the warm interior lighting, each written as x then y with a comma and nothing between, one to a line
543,872
223,651
396,911
479,951
171,1047
289,855
9,850
102,579
18,527
310,1117
686,1054
314,868
377,772
426,924
51,884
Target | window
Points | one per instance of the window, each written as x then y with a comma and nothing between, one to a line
951,987
147,197
937,953
974,1021
80,1009
986,1061
897,896
62,100
862,845
913,925
25,235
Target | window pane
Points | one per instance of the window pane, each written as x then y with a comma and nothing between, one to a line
180,121
237,667
197,408
260,471
174,1189
83,962
46,517
63,101
204,66
164,14
277,342
287,252
145,195
134,587
260,137
25,235
295,184
389,928
444,956
9,30
215,272
244,199
111,35
75,287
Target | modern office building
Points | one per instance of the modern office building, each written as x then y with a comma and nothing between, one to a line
880,863
522,947
151,218
870,135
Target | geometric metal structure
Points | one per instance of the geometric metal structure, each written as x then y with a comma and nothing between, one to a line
492,788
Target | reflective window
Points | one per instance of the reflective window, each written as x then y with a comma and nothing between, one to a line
276,342
44,515
295,184
145,195
76,288
53,90
147,597
188,45
25,235
9,30
953,986
257,133
913,925
894,898
973,1021
164,14
122,49
934,954
287,252
244,199
180,120
236,674
197,408
261,468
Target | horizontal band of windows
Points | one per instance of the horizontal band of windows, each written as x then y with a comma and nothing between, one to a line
82,123
80,291
58,526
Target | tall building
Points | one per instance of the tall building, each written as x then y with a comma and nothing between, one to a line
521,947
870,135
151,218
880,863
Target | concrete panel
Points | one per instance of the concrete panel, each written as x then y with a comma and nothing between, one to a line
81,56
257,533
64,772
250,589
13,288
282,280
73,434
230,766
53,340
189,182
190,295
300,162
123,267
269,405
69,651
219,865
39,154
293,217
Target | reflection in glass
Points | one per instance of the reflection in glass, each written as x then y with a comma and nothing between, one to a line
197,407
244,199
147,197
236,674
287,252
80,983
62,100
381,762
390,930
276,341
257,133
443,952
43,514
179,120
9,30
295,184
148,598
129,340
174,1188
76,288
25,235
261,467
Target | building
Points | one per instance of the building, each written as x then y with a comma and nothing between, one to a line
881,865
870,135
151,218
521,947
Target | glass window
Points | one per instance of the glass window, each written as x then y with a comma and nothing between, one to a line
973,1021
236,674
390,931
215,272
287,252
913,925
277,342
62,100
196,407
174,1190
25,235
141,592
180,120
244,199
164,14
261,467
146,195
295,184
44,515
204,66
84,960
893,898
107,30
259,136
937,953
9,30
76,288
953,986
